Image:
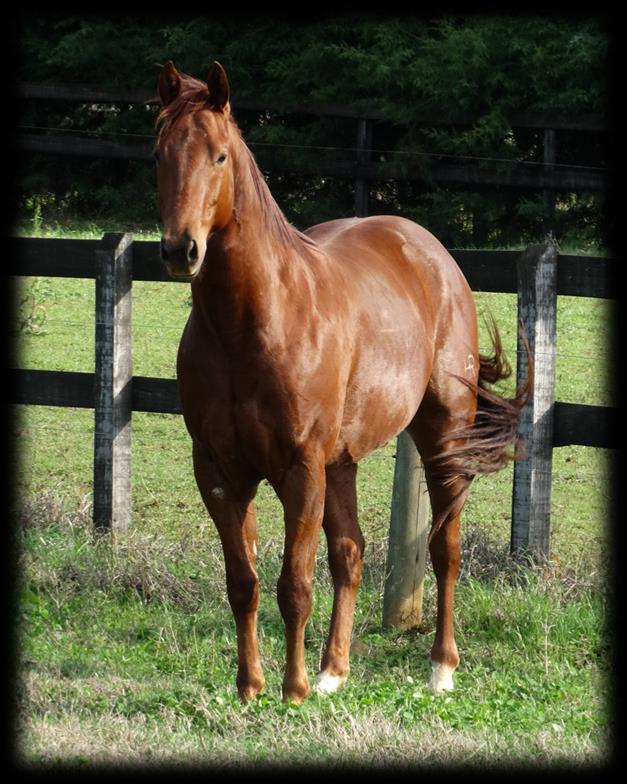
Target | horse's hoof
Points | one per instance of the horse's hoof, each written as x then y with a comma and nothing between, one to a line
328,684
441,678
249,691
296,693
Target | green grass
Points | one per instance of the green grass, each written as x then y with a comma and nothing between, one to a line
128,650
129,653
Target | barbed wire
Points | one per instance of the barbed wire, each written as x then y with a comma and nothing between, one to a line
328,148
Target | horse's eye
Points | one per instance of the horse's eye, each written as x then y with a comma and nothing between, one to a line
221,158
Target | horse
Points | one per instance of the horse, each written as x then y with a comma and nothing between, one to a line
303,353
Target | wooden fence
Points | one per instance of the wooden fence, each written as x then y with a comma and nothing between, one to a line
537,275
359,167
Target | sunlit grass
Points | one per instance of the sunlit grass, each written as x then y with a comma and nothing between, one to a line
134,643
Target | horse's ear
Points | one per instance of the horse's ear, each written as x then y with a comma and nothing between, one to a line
218,86
169,83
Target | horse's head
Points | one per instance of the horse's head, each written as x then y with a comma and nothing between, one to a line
194,169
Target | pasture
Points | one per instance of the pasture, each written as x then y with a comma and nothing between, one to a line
127,649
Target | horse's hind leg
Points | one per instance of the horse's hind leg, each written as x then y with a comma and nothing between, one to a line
433,422
345,547
444,549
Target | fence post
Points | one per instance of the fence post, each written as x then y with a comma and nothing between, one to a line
531,500
113,384
407,542
364,142
549,168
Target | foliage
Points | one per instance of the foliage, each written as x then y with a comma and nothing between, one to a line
407,67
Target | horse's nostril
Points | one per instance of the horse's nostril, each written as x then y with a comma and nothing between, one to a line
192,251
164,250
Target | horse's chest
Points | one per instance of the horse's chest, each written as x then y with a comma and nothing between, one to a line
247,420
271,418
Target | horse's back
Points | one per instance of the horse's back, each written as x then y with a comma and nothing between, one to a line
392,243
374,229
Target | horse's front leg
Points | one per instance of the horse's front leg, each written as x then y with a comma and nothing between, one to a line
234,517
302,496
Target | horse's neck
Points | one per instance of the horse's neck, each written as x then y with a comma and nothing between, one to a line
252,264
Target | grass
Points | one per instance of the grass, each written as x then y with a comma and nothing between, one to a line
127,648
129,654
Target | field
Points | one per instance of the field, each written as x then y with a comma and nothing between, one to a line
127,648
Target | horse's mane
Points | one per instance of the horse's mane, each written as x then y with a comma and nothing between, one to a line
193,96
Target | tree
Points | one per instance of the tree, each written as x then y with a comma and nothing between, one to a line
409,68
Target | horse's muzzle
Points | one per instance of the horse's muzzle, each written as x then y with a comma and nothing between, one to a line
181,257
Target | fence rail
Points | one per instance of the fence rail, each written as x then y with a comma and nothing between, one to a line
76,93
537,276
547,176
485,270
574,423
508,174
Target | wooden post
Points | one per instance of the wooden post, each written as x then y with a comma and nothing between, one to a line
549,168
364,142
407,543
113,384
531,503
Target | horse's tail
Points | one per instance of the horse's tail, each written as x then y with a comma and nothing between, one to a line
491,441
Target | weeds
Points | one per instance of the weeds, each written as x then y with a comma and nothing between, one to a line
487,559
31,311
150,568
128,651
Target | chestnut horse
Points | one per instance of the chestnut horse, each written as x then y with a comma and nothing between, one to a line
303,353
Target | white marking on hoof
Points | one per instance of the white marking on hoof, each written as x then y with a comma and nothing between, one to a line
218,492
441,678
327,683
